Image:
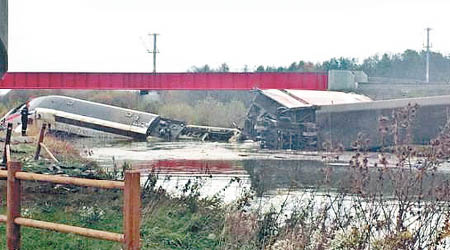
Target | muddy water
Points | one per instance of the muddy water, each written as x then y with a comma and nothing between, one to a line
229,170
280,179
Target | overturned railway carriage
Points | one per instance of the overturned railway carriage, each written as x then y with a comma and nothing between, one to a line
80,117
303,119
91,119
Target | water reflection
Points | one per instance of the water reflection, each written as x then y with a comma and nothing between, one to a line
223,179
207,167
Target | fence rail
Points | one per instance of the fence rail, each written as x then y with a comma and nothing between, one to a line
97,234
131,207
70,180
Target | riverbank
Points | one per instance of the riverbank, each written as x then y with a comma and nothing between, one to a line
167,221
166,224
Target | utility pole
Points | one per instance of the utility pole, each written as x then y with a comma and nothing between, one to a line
155,50
427,76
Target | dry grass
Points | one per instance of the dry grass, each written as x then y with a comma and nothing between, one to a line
240,229
207,112
62,149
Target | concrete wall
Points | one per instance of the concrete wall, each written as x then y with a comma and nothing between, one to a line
388,80
384,91
3,36
360,76
341,80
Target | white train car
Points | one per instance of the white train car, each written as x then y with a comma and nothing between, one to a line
85,118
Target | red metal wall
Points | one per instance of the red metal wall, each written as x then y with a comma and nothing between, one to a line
165,81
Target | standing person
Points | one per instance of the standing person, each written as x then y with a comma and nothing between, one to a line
24,115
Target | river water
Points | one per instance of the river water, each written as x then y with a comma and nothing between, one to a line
285,181
228,170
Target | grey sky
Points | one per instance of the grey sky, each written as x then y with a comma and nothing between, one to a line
104,35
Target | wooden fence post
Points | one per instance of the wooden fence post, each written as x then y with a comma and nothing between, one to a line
132,210
41,139
13,195
7,141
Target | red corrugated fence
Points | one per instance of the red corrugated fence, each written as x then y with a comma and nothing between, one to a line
165,81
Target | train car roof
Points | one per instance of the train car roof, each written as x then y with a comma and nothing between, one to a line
307,98
94,110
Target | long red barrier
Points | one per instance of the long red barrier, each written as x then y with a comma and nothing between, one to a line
165,81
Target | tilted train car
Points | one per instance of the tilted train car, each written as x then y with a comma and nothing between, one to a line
305,119
85,118
91,119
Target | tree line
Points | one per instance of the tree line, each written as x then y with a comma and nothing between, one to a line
409,64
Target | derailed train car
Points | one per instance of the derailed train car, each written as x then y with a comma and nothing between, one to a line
91,119
84,118
305,119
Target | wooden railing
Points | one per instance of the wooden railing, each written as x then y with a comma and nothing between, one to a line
131,210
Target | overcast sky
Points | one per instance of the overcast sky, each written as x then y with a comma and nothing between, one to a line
105,35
